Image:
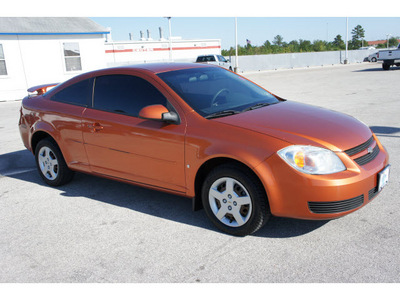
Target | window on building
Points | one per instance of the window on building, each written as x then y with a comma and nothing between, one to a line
3,68
72,56
125,94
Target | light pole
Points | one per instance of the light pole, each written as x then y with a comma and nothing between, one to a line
236,49
346,60
387,40
170,41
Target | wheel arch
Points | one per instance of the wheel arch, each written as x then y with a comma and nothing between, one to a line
38,136
211,164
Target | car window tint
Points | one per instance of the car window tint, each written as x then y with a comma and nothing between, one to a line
125,94
79,93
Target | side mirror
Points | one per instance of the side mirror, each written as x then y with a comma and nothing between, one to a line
158,112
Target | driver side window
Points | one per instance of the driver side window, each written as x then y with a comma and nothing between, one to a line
125,94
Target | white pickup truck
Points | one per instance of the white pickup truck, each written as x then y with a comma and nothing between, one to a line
389,57
214,59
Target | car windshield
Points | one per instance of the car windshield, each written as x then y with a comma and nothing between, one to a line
212,90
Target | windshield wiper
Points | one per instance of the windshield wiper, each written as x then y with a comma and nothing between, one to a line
255,106
222,113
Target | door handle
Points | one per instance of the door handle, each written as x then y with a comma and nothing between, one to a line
95,127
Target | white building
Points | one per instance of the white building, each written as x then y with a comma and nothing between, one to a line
41,50
161,50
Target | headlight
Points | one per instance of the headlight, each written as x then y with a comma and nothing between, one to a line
312,160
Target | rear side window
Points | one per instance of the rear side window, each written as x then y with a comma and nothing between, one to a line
79,93
125,94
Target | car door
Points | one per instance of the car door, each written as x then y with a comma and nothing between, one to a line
121,145
64,112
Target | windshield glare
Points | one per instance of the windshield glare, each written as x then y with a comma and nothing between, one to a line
211,90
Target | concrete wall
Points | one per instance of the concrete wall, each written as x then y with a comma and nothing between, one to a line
298,60
39,59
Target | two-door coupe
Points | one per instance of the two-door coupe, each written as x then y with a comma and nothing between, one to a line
209,134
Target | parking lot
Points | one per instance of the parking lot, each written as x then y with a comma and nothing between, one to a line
98,230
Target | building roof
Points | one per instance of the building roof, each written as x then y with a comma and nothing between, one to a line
378,42
47,25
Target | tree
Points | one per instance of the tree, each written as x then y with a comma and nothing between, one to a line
393,42
358,34
278,41
338,42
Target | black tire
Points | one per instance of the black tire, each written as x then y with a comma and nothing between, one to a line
51,164
386,66
245,185
373,59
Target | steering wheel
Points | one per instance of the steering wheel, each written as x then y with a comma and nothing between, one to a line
214,101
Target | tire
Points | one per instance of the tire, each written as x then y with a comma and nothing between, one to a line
51,164
373,59
234,200
385,66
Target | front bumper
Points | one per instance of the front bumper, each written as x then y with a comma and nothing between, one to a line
317,197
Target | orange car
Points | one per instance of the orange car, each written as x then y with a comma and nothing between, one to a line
206,133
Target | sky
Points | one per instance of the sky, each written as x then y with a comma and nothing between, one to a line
255,29
258,20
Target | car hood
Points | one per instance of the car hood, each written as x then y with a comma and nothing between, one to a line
299,123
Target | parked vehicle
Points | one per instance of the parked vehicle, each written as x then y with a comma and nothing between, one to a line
372,57
208,134
214,59
389,57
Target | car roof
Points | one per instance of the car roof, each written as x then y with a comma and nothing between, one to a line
164,67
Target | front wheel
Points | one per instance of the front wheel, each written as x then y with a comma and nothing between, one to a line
51,164
386,66
235,201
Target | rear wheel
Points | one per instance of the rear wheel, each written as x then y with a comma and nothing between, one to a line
386,66
235,201
51,164
373,59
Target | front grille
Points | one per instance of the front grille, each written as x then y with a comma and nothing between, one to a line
359,148
368,157
336,206
373,193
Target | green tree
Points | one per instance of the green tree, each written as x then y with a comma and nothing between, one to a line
393,42
278,41
305,46
338,43
358,34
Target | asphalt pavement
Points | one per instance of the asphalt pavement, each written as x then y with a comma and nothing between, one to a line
98,230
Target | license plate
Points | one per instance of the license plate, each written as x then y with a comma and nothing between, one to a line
383,177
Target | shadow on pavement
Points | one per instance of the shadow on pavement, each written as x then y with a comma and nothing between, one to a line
21,165
385,131
378,68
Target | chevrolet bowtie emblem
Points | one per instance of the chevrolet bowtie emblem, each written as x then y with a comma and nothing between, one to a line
370,150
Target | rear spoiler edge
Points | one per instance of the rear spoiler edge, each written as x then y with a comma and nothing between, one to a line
41,89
